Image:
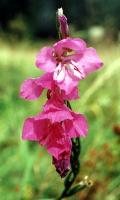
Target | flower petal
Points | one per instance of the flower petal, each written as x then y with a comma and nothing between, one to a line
74,94
69,83
50,136
74,71
34,129
28,130
90,61
56,111
78,127
32,88
56,141
62,164
45,59
59,73
46,80
75,44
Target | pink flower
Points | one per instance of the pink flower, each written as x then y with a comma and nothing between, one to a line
32,88
69,60
53,129
62,164
65,64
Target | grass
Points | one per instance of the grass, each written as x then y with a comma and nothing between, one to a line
26,172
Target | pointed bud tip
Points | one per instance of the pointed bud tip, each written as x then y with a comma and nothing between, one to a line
60,12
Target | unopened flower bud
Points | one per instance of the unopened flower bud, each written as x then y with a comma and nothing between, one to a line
87,181
63,25
60,12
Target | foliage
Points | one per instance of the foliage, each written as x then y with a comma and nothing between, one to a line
26,171
39,16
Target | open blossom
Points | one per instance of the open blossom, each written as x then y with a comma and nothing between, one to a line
32,88
69,60
54,128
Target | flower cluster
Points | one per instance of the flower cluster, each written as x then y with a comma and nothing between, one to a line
65,64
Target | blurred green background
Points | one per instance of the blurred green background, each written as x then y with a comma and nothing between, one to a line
26,172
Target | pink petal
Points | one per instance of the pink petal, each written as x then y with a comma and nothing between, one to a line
57,116
48,135
74,44
78,127
32,88
45,59
64,30
56,111
90,61
74,71
56,141
59,73
46,80
47,128
69,83
74,94
34,129
62,164
28,130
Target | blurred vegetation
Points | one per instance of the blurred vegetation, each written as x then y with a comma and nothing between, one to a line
26,171
39,16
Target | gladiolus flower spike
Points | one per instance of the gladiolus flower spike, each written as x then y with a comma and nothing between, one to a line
57,127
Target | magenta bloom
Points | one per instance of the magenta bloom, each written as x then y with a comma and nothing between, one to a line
69,60
32,88
53,129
